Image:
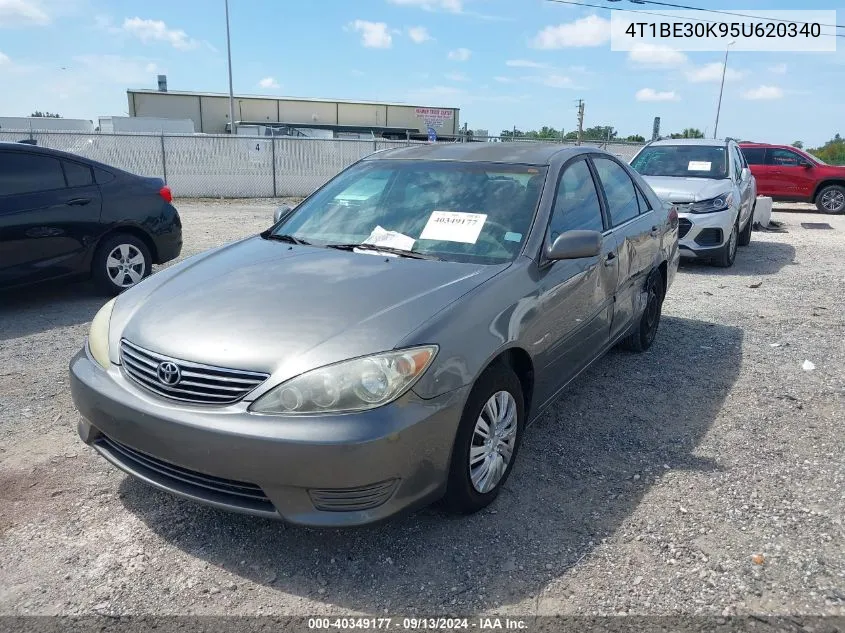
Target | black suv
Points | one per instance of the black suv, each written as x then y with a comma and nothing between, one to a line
62,215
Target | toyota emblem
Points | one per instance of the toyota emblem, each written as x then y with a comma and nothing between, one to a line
168,373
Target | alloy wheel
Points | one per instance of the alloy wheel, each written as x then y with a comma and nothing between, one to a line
833,201
493,441
125,265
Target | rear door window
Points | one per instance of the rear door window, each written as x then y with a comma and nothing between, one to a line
754,155
22,173
619,190
77,174
782,158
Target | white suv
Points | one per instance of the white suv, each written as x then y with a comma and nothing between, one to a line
712,187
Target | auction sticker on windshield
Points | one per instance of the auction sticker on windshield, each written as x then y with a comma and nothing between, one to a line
698,165
454,226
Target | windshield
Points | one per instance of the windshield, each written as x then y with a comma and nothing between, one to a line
683,161
457,211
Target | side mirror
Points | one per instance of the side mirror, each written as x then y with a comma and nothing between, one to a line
746,174
575,245
805,164
281,212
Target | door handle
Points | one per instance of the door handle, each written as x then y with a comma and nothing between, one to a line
78,202
610,259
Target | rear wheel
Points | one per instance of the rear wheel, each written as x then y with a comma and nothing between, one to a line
487,441
725,259
831,199
646,331
120,262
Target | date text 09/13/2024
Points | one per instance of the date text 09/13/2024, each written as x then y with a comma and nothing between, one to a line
410,623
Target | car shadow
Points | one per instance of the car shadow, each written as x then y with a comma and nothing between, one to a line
760,257
584,467
42,307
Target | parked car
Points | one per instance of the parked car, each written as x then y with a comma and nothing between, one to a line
371,354
788,174
62,215
713,189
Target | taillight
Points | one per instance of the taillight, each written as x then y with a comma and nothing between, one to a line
165,193
673,216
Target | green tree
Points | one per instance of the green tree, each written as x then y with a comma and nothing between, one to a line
507,135
798,144
635,138
690,132
832,152
46,115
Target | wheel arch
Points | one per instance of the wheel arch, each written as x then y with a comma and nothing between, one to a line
826,183
521,363
134,231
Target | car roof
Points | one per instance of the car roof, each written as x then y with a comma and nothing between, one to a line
504,152
710,142
47,151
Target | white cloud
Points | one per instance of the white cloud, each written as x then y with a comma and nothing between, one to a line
419,34
778,69
460,54
646,54
713,72
589,31
269,82
22,13
373,34
4,60
763,93
524,63
650,94
554,81
453,6
456,77
157,31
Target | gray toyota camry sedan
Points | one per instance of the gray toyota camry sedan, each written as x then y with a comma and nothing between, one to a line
386,342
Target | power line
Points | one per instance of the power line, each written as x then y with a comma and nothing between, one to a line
741,15
666,15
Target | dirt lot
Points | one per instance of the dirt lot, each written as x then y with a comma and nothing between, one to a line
656,486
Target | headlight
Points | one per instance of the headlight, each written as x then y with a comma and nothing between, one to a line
98,335
719,203
352,385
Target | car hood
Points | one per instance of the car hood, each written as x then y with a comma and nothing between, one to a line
267,306
683,190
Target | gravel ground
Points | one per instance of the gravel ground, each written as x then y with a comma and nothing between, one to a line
704,477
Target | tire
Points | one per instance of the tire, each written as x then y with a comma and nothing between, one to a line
646,330
107,262
831,199
726,257
744,238
465,491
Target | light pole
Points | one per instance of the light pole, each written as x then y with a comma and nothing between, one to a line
721,90
231,94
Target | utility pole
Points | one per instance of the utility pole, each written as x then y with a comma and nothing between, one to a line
231,93
721,90
580,120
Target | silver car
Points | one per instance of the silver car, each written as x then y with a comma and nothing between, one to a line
712,187
387,341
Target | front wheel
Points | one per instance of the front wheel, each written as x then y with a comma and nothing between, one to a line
745,234
831,199
725,259
120,262
487,441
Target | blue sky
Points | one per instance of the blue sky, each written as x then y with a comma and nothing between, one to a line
505,63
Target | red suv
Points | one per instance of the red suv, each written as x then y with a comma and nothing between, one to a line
788,174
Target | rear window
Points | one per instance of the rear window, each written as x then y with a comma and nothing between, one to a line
77,175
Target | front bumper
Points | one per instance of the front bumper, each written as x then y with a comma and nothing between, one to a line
331,471
703,235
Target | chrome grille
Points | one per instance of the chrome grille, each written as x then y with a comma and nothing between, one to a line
201,384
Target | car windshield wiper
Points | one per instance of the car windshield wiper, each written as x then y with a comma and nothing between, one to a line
384,249
290,239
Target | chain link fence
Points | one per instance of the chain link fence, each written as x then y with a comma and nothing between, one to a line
232,166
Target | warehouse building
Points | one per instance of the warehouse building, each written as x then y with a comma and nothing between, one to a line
210,114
